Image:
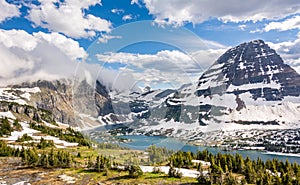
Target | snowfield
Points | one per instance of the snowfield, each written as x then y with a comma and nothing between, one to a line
165,169
16,134
9,94
7,115
31,132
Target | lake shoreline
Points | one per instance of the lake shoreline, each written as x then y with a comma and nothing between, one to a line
141,142
282,154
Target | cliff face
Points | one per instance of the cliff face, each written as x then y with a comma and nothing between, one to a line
55,96
27,112
69,101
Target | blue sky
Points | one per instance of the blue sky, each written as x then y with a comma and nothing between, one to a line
146,41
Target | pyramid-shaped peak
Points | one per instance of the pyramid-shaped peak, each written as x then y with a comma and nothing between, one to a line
253,65
248,51
258,41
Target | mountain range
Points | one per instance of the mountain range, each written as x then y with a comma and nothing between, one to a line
248,87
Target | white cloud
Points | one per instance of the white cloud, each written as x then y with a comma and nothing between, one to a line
242,27
165,66
105,38
255,31
117,11
127,17
288,24
11,63
68,46
178,12
18,39
289,51
8,11
135,2
207,57
50,56
164,60
29,57
68,17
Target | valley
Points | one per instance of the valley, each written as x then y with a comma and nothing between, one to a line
138,92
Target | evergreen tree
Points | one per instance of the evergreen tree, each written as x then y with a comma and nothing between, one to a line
90,163
230,180
24,155
33,156
24,138
69,160
249,172
45,144
173,172
98,164
44,161
239,163
203,180
5,150
216,174
53,161
277,180
267,179
5,127
17,152
135,171
17,126
286,179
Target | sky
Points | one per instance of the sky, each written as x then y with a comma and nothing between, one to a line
136,43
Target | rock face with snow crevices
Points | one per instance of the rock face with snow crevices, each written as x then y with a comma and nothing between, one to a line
251,67
71,102
246,80
244,85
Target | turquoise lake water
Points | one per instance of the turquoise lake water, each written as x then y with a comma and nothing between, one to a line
141,142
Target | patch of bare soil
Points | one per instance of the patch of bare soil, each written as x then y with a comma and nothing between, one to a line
12,171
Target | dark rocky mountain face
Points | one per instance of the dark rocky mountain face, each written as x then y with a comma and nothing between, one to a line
244,79
243,76
251,63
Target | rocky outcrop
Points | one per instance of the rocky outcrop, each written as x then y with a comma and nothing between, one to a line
102,100
68,99
31,112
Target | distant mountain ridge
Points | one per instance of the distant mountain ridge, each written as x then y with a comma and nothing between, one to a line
244,85
245,79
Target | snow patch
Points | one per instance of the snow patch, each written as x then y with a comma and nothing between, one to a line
165,169
7,115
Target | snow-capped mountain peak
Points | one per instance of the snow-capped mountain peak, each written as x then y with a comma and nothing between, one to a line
251,67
